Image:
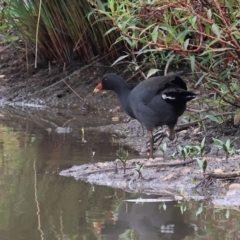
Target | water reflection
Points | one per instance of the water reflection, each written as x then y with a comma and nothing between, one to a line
37,203
148,221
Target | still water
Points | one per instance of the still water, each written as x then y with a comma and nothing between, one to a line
36,203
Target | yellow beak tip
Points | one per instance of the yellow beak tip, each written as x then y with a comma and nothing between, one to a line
96,90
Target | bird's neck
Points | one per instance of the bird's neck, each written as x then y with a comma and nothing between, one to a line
123,91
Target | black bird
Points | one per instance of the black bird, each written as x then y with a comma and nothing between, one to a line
154,102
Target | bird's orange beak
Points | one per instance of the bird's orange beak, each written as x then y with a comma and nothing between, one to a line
98,88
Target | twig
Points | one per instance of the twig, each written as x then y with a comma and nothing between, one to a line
27,63
168,164
38,21
198,111
202,181
68,121
73,90
233,174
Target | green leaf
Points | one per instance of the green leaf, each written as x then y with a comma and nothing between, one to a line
163,147
213,118
199,211
192,62
216,29
234,24
155,34
119,59
218,143
236,34
164,206
200,163
145,29
200,79
227,213
205,163
203,142
194,19
152,72
225,148
209,14
186,43
110,30
228,143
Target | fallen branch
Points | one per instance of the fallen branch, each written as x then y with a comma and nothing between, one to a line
221,175
167,164
208,177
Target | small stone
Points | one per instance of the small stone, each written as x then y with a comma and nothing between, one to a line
218,171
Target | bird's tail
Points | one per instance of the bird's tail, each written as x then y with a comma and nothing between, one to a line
178,96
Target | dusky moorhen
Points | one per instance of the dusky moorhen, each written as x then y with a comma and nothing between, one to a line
154,102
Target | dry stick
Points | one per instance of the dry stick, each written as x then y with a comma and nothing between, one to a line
202,181
27,64
172,164
68,121
38,21
209,176
73,90
223,174
198,111
2,49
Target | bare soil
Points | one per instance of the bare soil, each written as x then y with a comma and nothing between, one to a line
52,87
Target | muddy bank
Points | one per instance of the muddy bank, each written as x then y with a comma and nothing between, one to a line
175,178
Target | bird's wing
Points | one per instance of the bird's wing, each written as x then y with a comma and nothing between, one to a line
148,89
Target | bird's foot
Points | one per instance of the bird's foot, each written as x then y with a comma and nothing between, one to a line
170,134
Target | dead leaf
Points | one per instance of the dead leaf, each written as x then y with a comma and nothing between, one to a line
186,170
115,119
169,177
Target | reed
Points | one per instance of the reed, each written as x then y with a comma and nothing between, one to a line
63,29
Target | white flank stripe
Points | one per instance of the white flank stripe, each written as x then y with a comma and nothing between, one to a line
164,96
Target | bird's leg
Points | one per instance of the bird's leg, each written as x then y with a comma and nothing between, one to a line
171,133
151,140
